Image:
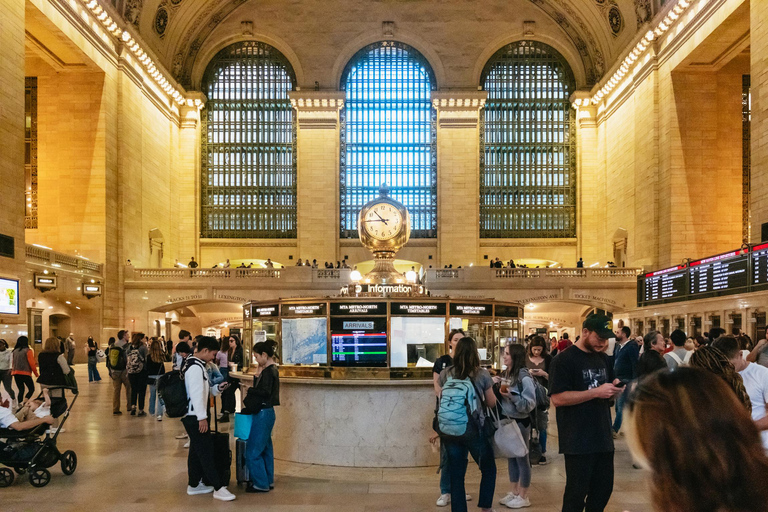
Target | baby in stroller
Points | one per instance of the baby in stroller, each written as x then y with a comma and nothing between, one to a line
26,446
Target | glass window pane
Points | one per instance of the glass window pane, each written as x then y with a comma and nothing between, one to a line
528,145
248,150
388,135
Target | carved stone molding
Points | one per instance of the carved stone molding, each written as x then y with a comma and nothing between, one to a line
458,109
317,109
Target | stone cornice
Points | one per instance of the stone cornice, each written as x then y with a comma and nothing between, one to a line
458,109
317,109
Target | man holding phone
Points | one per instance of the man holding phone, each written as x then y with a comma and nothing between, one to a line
582,386
201,466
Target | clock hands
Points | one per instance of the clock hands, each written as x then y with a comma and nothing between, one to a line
379,216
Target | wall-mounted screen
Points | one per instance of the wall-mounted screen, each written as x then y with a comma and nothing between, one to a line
9,296
717,275
416,341
304,340
667,284
760,266
358,308
360,341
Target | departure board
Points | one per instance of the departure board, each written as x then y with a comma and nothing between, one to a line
719,275
666,285
760,266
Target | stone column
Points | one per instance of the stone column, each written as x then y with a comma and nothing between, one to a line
12,152
187,182
592,243
758,32
317,180
458,183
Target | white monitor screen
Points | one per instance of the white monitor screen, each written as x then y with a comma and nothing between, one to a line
413,337
9,296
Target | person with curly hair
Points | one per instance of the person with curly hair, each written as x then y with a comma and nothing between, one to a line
712,359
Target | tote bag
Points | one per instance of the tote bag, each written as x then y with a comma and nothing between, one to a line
243,425
508,441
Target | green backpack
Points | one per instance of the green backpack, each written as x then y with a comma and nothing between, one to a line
116,359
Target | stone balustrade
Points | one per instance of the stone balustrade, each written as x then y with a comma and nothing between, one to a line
48,258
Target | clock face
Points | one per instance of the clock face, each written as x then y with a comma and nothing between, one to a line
383,221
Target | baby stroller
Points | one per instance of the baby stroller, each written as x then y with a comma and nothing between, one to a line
33,451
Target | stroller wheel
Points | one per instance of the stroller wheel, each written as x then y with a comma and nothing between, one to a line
68,462
39,477
6,477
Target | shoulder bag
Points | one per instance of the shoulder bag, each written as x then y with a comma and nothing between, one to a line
508,441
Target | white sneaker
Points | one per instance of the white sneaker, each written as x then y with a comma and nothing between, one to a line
159,418
223,494
182,436
443,500
509,497
468,497
186,445
518,502
200,489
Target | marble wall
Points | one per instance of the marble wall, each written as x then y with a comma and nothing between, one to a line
355,423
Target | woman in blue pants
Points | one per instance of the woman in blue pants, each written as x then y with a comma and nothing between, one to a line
260,401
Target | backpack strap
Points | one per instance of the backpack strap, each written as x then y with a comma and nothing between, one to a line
676,357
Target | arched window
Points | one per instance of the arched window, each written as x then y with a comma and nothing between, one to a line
388,135
248,185
528,145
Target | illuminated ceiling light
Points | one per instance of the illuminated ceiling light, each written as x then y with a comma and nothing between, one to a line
649,36
126,37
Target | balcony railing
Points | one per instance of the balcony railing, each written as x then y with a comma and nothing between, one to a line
56,260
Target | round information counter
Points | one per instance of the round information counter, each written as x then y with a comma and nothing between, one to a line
356,373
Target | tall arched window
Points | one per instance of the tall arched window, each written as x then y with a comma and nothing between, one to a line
528,145
388,135
248,185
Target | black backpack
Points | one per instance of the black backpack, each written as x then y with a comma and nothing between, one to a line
173,392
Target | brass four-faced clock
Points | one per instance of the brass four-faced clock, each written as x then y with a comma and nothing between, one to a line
384,227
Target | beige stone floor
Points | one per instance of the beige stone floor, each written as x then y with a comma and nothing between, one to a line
135,464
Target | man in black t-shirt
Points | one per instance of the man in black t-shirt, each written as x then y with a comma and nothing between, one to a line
582,385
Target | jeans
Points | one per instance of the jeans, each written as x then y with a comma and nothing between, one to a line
542,423
6,379
481,451
520,467
21,382
120,379
590,477
259,456
93,372
155,403
201,465
620,400
445,475
138,389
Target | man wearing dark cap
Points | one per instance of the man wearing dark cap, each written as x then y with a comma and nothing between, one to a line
678,356
582,386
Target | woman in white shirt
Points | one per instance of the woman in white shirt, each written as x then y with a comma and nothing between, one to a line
6,355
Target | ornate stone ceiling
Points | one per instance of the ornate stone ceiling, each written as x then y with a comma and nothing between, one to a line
456,36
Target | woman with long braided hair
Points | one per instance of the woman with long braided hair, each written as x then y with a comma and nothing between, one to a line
712,359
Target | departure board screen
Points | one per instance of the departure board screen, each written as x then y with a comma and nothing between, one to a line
360,341
719,275
760,265
666,285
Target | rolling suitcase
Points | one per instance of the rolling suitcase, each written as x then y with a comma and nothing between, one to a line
222,453
241,469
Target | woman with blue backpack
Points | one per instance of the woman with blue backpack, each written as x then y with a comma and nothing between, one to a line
465,390
518,399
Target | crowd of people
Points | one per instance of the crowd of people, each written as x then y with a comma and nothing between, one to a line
592,381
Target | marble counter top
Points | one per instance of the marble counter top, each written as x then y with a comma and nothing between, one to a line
339,382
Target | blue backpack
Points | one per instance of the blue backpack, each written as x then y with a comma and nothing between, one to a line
456,414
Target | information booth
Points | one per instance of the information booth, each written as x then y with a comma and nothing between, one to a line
380,338
356,373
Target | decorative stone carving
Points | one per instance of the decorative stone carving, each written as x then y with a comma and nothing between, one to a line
615,20
388,28
246,27
161,21
132,12
317,109
643,11
529,28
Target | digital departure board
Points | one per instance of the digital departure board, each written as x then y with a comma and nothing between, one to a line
719,275
360,341
739,271
664,285
759,262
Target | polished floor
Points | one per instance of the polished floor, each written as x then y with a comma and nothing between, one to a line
131,464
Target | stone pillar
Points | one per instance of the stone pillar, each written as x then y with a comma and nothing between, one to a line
188,182
758,31
458,184
12,153
317,180
592,243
